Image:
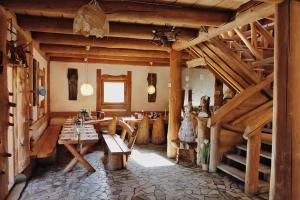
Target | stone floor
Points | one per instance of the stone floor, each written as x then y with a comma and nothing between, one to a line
150,175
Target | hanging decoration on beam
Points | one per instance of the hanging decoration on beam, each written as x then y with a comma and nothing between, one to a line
16,52
165,36
91,20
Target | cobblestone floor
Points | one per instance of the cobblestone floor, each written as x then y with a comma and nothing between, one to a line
150,175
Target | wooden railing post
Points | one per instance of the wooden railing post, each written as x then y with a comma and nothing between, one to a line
201,131
252,163
214,147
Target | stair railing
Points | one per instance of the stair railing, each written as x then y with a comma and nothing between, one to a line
215,122
253,136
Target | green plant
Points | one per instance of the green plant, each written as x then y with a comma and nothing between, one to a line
205,148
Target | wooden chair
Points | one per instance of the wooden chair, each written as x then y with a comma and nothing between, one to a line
143,131
158,132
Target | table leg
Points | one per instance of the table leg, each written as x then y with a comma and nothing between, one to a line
78,158
177,155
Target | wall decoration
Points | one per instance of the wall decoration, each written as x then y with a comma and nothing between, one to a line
151,89
73,83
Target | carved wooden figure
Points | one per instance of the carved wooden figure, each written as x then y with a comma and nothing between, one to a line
187,131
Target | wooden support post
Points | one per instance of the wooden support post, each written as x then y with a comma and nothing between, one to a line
218,98
202,130
252,163
174,101
285,176
214,147
4,119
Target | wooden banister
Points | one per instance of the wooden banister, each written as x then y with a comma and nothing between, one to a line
238,100
253,135
257,123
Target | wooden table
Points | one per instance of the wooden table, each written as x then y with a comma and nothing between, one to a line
70,138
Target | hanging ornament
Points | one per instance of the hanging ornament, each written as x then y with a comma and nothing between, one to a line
90,20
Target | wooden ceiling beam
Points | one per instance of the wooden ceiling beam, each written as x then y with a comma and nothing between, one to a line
123,30
47,48
121,58
128,12
79,40
106,61
250,15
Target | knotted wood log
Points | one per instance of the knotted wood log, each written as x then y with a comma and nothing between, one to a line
158,132
143,131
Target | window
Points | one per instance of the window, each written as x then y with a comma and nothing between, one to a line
114,93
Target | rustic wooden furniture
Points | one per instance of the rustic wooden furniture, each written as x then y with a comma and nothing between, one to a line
158,131
143,134
118,152
86,137
181,146
45,147
158,128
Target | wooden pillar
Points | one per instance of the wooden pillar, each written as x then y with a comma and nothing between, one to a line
214,147
285,175
4,108
218,97
202,134
175,101
252,163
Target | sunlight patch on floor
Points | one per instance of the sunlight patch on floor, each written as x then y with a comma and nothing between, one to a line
150,159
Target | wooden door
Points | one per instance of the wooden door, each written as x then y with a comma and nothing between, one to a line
4,109
22,139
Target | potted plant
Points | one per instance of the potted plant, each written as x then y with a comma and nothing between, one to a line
205,148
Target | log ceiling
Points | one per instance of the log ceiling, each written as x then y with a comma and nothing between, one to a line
131,23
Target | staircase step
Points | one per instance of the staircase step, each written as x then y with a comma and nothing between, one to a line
266,142
242,160
263,153
238,174
266,130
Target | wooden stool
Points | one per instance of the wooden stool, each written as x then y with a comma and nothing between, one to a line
190,146
158,131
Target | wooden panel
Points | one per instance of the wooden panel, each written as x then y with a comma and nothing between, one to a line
4,108
22,119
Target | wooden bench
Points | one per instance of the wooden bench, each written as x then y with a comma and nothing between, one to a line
118,152
45,147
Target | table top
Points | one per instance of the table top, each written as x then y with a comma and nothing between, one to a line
71,134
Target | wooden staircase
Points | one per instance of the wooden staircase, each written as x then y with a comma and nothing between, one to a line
234,164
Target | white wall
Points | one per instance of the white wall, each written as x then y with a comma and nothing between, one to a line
201,81
139,100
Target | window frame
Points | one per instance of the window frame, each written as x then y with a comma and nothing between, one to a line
118,108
